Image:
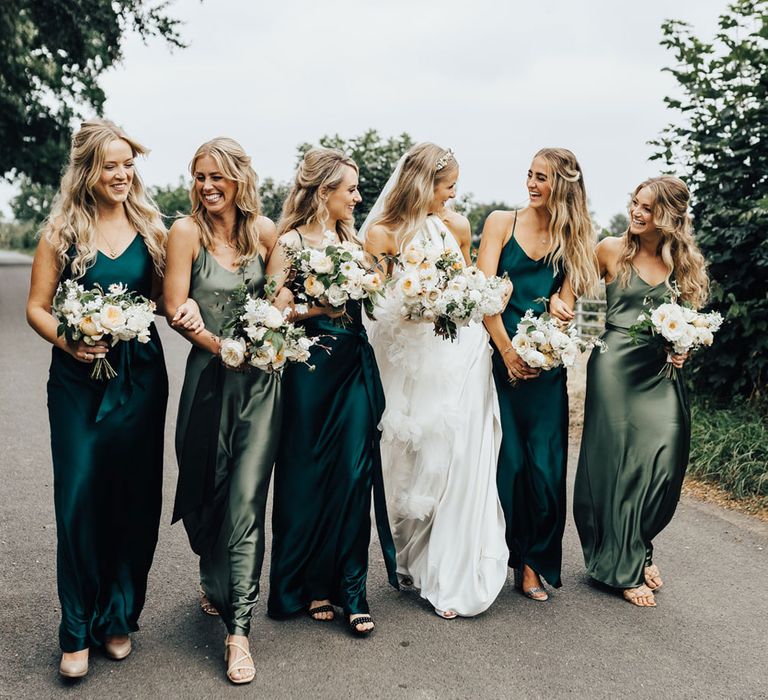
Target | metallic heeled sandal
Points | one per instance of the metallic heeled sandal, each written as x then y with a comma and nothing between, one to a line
244,662
530,593
631,595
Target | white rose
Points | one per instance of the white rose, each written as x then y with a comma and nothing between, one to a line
232,351
336,295
321,263
414,254
313,286
409,284
705,336
672,326
273,318
535,359
112,317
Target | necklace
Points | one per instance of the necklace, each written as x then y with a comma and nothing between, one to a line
111,252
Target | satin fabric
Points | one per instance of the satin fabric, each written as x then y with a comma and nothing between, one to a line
327,465
534,423
226,440
107,447
634,448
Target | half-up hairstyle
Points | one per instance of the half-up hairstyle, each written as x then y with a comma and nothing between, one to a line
73,217
321,168
235,165
572,233
677,247
407,206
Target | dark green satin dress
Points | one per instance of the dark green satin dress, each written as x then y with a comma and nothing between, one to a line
226,439
534,424
107,446
327,465
634,449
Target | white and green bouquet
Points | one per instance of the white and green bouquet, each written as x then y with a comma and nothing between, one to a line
437,287
259,335
678,328
92,315
544,342
332,275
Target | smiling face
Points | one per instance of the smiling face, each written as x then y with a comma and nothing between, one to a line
641,213
341,202
539,182
116,174
216,192
445,186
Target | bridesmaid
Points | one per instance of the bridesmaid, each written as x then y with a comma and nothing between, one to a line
329,457
106,436
228,422
634,449
536,246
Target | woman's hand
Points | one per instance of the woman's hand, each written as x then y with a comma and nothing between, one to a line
85,353
559,309
334,312
284,300
678,360
188,317
517,369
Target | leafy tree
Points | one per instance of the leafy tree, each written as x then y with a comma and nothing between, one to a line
617,226
375,157
172,200
33,202
273,195
53,54
720,147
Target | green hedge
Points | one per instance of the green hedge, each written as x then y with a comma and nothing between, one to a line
729,446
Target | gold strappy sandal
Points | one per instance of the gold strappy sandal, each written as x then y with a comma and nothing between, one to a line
206,605
651,572
244,662
633,595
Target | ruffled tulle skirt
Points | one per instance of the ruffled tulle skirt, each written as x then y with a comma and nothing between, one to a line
441,435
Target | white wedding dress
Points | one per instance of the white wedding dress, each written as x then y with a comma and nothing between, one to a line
440,443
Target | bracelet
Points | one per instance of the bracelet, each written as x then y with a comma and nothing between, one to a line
507,349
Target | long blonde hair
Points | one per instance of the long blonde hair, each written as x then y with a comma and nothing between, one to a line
235,165
407,206
572,233
320,168
73,217
677,247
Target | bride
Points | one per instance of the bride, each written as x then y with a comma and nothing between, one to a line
441,428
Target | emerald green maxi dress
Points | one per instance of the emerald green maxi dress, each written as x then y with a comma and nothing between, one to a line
534,424
107,447
634,448
327,465
226,439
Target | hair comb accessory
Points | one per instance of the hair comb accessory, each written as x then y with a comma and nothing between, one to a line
446,158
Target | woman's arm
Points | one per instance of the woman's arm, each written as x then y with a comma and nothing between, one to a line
380,245
494,234
42,288
183,248
562,303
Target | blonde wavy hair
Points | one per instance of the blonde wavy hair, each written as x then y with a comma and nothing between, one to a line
572,233
74,215
320,168
407,206
677,247
235,165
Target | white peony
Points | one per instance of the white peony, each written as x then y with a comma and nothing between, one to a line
232,352
336,295
273,318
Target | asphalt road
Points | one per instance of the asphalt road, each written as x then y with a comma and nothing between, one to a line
706,638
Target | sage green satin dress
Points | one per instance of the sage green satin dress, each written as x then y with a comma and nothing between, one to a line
107,447
328,464
634,448
534,424
226,439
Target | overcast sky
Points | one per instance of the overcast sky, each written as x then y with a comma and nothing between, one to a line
493,80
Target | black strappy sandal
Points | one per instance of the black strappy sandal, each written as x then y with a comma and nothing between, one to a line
321,609
362,620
